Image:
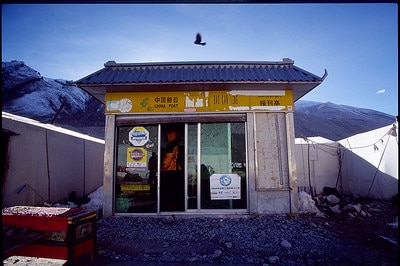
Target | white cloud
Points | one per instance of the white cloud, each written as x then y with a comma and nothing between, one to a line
380,91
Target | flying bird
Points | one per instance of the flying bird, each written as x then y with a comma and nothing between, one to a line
198,40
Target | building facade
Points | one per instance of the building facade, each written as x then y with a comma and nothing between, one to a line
199,137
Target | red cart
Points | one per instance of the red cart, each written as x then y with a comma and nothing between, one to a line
64,233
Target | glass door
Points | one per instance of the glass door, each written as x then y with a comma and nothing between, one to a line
222,183
136,170
192,166
172,168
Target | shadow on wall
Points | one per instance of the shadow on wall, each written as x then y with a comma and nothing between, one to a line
361,178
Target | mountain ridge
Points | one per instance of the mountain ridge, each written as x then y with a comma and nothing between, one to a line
336,122
26,93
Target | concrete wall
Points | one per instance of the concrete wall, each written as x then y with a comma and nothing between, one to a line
362,165
272,167
45,163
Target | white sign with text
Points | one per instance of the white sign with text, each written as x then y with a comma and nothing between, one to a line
224,186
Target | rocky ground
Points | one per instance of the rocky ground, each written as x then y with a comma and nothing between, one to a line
357,232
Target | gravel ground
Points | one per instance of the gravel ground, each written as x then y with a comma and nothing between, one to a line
258,240
301,239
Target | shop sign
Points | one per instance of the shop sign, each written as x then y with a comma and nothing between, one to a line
199,101
136,157
224,186
138,136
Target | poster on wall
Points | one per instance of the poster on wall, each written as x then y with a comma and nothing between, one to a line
224,186
136,157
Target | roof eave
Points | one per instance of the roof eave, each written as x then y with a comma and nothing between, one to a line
99,90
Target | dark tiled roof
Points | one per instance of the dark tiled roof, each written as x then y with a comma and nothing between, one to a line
199,72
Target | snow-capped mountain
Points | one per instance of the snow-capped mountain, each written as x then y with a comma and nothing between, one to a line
26,93
24,87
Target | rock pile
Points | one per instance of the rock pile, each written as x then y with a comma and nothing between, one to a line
328,205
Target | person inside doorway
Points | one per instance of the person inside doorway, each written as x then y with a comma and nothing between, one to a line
172,177
152,167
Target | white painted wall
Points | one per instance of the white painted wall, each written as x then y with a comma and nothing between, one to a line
317,164
47,162
362,165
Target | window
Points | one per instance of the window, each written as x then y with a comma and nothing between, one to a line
215,150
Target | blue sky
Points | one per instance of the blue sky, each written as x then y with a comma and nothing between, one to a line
356,43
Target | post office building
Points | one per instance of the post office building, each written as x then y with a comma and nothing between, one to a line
199,137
